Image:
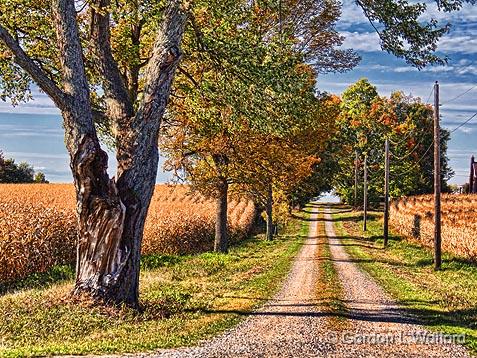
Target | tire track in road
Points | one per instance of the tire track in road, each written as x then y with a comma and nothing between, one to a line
289,325
374,315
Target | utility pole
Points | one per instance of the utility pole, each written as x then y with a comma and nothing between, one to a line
365,201
386,193
356,179
437,182
471,179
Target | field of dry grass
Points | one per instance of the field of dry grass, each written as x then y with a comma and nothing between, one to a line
413,217
38,225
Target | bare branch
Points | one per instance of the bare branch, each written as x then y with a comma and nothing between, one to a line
188,75
36,73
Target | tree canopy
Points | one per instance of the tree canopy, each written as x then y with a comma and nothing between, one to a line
11,172
366,120
244,67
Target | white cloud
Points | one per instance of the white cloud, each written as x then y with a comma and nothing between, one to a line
40,104
467,130
468,13
454,43
369,42
403,69
361,41
461,39
353,15
37,155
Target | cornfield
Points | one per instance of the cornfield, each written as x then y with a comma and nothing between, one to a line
413,217
38,225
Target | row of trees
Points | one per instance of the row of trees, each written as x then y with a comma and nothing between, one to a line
365,121
244,117
246,72
11,172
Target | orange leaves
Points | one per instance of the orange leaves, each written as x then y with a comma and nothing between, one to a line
38,225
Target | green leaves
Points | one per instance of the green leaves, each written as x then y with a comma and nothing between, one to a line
401,31
366,121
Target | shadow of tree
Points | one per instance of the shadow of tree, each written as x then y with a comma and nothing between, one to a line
404,314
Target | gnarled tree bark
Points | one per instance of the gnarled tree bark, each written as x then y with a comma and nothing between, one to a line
111,213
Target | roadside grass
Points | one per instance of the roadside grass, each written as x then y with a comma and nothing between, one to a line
445,300
184,299
329,292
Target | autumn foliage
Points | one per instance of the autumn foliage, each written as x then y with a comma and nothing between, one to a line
414,217
38,225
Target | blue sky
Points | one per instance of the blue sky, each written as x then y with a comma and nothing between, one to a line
32,132
390,74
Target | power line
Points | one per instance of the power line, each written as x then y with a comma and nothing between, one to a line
419,160
457,97
463,123
430,94
402,140
408,154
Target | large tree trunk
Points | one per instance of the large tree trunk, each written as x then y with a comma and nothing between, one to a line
101,253
111,230
111,214
269,213
221,235
112,219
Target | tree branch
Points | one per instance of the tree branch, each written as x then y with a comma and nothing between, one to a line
188,75
73,69
118,101
36,73
164,60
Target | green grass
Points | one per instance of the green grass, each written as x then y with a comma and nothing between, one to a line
445,300
329,293
184,298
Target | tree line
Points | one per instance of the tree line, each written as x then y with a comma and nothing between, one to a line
230,84
366,120
11,172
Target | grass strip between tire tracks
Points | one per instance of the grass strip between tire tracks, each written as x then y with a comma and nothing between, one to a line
185,299
445,300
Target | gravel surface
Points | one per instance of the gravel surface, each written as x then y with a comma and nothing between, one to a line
291,324
375,317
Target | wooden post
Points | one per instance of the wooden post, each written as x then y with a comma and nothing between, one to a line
474,187
471,179
386,193
356,179
365,199
437,182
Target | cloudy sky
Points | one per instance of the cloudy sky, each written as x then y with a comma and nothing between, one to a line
390,74
32,132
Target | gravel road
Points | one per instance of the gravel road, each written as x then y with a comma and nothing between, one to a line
375,317
291,324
